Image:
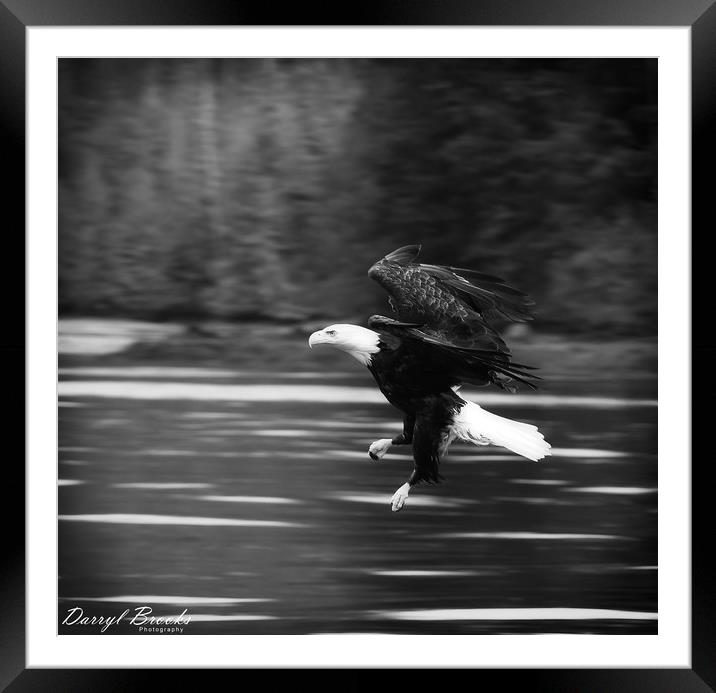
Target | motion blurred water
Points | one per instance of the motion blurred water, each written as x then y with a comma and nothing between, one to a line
249,500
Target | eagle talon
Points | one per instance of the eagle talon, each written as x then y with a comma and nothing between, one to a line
399,498
378,448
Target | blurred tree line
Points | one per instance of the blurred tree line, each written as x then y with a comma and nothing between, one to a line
265,188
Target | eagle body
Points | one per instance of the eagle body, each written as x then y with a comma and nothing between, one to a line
441,338
425,395
404,372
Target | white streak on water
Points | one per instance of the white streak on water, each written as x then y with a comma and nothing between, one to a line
413,501
139,519
483,458
587,452
184,372
515,614
195,453
279,433
92,344
250,499
155,599
539,482
232,428
533,501
200,453
69,482
615,490
146,372
138,389
424,573
197,618
352,454
347,424
352,634
160,485
460,457
572,453
527,535
274,454
166,453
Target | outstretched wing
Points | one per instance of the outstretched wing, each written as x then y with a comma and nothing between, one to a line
457,303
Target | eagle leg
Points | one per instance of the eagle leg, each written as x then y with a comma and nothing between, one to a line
379,447
401,495
431,436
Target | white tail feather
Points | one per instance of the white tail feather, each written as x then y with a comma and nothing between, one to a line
475,425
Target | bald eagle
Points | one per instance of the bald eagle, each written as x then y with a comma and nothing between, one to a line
440,338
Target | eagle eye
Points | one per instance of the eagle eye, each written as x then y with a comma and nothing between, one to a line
331,333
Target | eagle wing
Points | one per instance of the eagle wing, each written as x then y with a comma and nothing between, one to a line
434,355
453,302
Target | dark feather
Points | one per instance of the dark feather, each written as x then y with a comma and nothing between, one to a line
376,322
404,255
497,297
447,273
449,309
442,362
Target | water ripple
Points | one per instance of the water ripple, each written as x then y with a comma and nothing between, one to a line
413,501
163,599
196,618
161,485
613,490
138,519
250,499
427,573
539,482
528,535
514,614
587,452
139,389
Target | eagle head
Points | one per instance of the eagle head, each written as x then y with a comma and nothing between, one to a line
359,342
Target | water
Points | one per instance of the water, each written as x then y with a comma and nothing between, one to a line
249,502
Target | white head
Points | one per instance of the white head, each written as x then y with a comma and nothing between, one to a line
357,341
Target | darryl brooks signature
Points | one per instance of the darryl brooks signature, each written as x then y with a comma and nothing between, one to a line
139,617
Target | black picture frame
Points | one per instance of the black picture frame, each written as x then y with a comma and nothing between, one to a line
17,15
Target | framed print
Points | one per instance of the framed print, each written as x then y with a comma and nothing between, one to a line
213,201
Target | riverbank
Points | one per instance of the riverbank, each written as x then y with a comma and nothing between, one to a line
266,347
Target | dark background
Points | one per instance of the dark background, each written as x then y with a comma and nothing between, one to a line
264,189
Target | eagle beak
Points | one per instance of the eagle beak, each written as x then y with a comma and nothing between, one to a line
315,338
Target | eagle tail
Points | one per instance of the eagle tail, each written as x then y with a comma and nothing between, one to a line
475,425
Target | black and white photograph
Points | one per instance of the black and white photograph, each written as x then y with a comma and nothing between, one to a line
357,346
